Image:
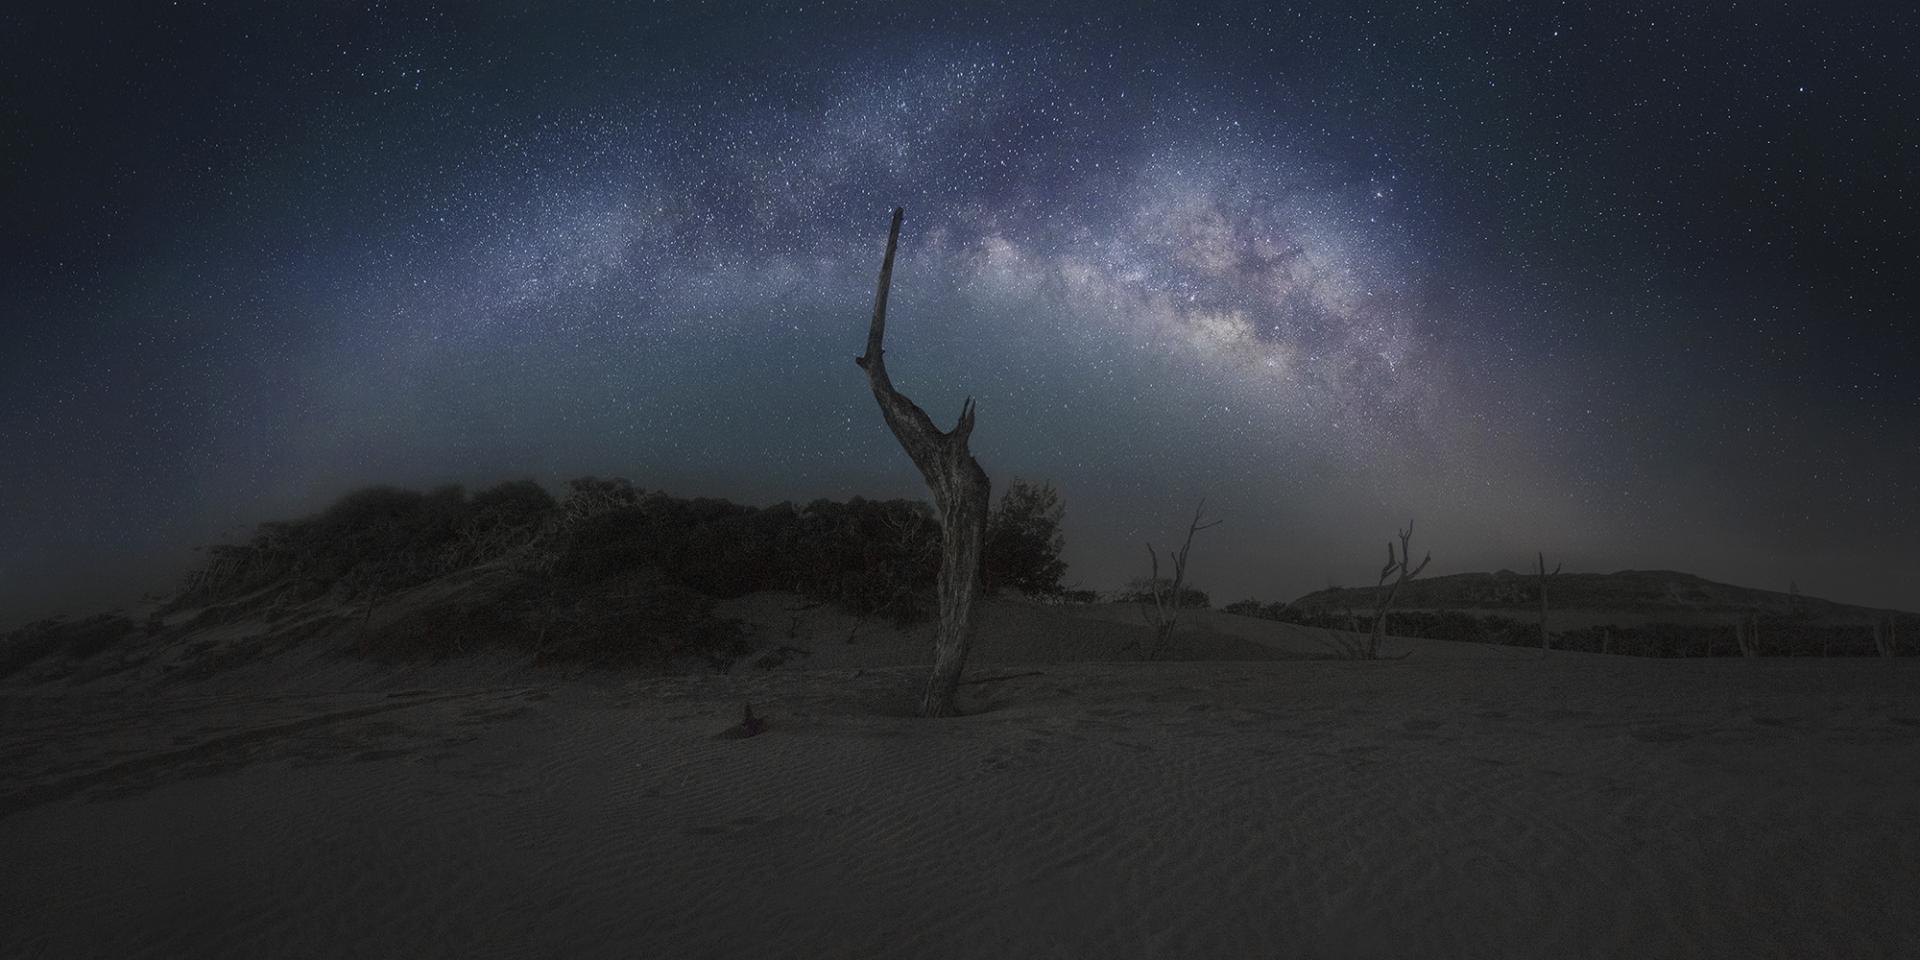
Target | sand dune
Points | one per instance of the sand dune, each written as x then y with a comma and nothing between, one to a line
1501,805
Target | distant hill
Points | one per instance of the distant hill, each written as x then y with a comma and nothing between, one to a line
1631,595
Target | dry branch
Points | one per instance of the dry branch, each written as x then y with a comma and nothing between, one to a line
960,494
1165,613
1394,565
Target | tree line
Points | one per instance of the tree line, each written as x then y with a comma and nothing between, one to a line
1766,634
610,572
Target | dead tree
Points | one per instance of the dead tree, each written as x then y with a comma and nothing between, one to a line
960,493
1541,571
1746,633
1165,613
1884,639
1394,565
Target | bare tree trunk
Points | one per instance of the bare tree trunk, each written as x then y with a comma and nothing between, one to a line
1883,638
960,494
1545,643
1746,631
1386,603
1166,615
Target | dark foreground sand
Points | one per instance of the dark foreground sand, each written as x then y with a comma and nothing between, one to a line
1567,807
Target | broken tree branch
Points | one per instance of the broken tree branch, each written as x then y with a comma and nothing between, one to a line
960,493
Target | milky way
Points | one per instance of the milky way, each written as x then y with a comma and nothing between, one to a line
1627,290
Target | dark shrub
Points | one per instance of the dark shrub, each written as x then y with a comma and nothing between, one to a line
609,573
1022,551
1142,591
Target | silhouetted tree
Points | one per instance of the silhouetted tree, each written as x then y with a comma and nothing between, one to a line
1278,610
1542,574
1024,541
1746,634
960,489
1396,566
1884,639
1168,595
591,496
1187,597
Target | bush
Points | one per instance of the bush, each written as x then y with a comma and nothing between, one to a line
1142,591
625,573
1022,551
74,639
1278,610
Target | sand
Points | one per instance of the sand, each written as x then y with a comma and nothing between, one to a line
1465,801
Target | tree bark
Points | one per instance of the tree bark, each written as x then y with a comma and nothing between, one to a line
960,490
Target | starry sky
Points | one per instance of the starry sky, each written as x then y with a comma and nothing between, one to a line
1629,284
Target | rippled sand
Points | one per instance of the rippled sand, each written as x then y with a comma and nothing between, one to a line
1571,806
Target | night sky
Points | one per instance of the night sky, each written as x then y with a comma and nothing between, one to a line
1631,285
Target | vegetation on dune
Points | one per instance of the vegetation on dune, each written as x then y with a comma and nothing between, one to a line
608,574
1773,634
1024,541
612,574
1142,590
1652,592
73,639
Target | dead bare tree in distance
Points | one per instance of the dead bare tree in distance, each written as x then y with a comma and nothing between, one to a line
1542,573
1746,634
1165,613
1394,565
1884,639
960,493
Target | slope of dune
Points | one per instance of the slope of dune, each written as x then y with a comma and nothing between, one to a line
320,645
